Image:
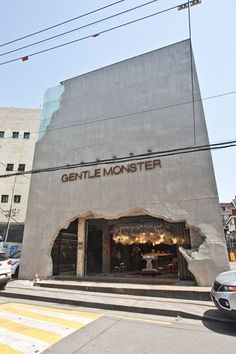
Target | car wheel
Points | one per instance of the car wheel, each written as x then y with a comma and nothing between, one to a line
2,286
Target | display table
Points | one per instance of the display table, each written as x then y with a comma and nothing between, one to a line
149,267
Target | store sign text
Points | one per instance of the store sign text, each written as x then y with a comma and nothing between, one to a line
112,170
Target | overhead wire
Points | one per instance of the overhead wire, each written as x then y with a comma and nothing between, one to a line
120,116
10,210
137,157
112,28
26,57
5,212
123,159
3,164
226,93
79,28
10,217
61,23
191,72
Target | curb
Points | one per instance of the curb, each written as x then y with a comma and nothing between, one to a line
114,307
174,294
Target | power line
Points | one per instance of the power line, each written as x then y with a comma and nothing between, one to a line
149,155
89,36
61,23
79,28
191,72
227,93
120,116
10,210
5,212
135,113
3,164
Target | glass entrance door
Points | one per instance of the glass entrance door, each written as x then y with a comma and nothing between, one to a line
94,248
64,251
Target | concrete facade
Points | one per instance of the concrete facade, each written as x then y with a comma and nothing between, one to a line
141,104
16,151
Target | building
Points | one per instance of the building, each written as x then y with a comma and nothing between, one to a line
230,226
230,231
228,216
234,202
231,223
226,210
18,134
106,203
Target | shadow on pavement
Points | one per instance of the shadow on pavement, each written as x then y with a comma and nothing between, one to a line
219,322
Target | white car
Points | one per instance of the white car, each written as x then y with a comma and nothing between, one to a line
223,292
15,263
5,270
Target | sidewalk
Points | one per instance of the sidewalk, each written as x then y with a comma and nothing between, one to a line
185,308
232,265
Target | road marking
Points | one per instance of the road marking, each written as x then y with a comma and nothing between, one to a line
73,314
78,315
5,349
32,329
86,315
60,330
74,318
44,317
34,332
138,319
20,343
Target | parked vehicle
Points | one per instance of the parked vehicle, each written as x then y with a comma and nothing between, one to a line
223,292
10,247
15,259
5,270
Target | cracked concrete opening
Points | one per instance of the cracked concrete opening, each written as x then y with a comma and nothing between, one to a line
122,247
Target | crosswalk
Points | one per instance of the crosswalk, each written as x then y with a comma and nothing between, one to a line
26,328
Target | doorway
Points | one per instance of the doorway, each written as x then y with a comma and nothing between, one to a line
94,247
137,246
64,251
144,245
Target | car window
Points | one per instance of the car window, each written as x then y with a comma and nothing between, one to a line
2,257
16,254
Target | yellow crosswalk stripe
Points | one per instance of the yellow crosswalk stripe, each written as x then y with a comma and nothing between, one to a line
5,349
26,328
88,315
38,316
46,336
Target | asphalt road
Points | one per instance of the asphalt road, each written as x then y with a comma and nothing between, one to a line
34,327
128,334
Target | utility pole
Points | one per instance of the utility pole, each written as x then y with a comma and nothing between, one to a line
9,216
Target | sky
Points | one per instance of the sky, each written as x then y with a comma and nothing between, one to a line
213,29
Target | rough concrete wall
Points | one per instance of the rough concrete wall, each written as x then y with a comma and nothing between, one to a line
139,104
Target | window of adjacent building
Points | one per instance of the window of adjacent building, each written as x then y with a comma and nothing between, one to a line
15,135
2,133
4,198
17,198
10,167
26,135
21,167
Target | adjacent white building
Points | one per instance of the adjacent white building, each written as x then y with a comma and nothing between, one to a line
19,130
